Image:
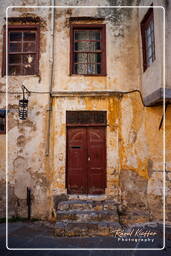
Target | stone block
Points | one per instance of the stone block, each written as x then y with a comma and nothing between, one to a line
63,206
59,229
103,230
76,229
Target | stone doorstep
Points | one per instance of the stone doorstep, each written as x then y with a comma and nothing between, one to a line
87,205
84,216
85,229
88,197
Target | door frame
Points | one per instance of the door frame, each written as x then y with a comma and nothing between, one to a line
66,159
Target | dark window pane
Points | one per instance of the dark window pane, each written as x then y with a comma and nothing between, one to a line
80,68
149,52
94,57
80,57
87,35
94,69
82,46
29,64
147,30
76,46
91,69
87,46
29,69
2,125
29,47
14,70
98,57
81,35
94,35
97,45
29,36
2,113
92,46
15,47
15,36
14,58
28,59
98,66
149,40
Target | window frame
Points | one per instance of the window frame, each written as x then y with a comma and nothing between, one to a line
149,16
102,28
21,28
4,131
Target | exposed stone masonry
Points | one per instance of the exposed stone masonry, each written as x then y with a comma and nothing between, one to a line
94,217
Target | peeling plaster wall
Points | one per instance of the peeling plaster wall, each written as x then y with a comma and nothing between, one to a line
27,165
134,141
134,152
122,51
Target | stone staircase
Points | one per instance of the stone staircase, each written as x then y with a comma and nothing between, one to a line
86,218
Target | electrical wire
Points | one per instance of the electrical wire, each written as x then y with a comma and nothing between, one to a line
69,92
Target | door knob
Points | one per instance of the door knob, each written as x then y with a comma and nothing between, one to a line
89,158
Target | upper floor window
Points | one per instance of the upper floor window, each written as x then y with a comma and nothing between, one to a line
148,42
2,121
23,50
88,49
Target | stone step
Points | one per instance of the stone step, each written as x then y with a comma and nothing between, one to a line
86,205
132,216
87,216
86,229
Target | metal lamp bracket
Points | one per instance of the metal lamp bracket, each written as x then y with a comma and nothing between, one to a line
23,103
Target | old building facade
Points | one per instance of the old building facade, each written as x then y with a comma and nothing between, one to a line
95,128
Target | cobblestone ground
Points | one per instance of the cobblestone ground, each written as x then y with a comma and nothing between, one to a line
37,235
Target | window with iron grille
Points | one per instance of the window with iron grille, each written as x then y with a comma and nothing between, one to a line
23,50
88,49
2,121
148,41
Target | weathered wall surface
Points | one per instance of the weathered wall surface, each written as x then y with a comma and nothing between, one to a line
122,51
27,164
134,151
151,83
134,141
168,39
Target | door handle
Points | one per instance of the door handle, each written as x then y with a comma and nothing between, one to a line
89,158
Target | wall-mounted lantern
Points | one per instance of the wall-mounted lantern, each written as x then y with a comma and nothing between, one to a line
23,103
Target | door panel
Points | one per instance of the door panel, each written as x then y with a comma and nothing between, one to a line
86,160
77,161
96,160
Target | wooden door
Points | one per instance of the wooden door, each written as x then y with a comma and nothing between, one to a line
86,160
96,164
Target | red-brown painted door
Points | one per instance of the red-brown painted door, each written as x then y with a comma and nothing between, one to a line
96,147
76,161
86,160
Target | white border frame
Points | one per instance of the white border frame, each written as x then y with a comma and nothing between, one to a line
164,158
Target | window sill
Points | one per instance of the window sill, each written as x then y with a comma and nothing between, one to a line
21,76
88,75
